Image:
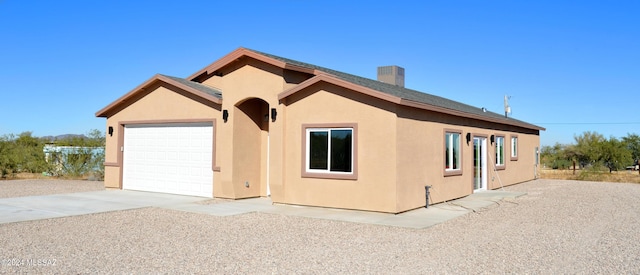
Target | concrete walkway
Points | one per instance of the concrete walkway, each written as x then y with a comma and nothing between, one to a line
63,205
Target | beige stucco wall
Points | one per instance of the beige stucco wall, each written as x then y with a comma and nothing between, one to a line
244,80
522,169
241,146
397,154
421,159
160,104
399,149
374,188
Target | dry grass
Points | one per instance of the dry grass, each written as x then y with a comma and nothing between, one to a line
591,175
25,176
38,176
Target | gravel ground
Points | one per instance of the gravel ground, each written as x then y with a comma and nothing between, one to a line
559,227
35,187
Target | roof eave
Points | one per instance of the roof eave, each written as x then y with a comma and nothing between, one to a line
105,112
424,106
241,52
322,77
192,90
393,99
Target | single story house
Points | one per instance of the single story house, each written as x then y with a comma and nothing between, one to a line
253,124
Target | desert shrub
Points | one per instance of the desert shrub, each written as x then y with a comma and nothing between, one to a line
561,164
593,173
22,153
78,156
82,155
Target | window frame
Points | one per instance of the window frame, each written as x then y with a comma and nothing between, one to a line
500,166
514,147
328,174
452,171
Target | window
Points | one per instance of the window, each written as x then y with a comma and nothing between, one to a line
330,152
514,148
499,151
452,151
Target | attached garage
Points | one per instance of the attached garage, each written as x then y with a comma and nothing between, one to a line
171,158
308,135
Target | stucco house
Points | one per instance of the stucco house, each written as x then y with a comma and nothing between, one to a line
253,124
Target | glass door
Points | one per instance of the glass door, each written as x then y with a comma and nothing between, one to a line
479,163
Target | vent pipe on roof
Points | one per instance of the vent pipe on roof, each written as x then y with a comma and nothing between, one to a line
393,75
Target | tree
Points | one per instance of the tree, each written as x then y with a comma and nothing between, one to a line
632,143
22,153
7,162
28,153
588,148
556,156
614,154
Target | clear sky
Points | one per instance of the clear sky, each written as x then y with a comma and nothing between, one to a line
569,66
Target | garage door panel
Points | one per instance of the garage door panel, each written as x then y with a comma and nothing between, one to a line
169,159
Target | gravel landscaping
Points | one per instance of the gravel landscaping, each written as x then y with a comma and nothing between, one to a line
559,227
37,187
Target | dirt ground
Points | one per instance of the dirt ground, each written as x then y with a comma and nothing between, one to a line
558,227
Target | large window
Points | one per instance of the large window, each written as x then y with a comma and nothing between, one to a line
514,148
330,152
499,151
452,151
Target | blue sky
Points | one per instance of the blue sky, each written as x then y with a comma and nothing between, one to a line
569,66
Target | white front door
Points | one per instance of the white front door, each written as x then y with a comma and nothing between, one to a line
479,163
169,158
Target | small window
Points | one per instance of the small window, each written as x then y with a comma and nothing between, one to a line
499,151
329,152
452,151
514,148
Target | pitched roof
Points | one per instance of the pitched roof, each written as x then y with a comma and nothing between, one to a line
200,90
385,91
408,96
197,86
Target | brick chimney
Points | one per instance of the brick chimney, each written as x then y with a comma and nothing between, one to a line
391,74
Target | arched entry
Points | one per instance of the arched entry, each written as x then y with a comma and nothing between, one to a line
250,148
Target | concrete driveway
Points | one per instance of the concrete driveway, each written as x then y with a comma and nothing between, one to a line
72,204
62,205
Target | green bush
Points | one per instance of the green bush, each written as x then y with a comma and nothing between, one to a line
593,173
24,153
561,164
79,156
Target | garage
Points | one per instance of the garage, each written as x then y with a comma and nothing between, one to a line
173,158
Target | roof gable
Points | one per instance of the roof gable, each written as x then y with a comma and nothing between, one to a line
388,92
396,94
241,52
199,90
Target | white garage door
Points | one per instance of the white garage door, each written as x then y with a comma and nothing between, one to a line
169,158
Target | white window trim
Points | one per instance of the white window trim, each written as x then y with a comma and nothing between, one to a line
498,156
326,174
328,170
450,151
453,171
514,148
